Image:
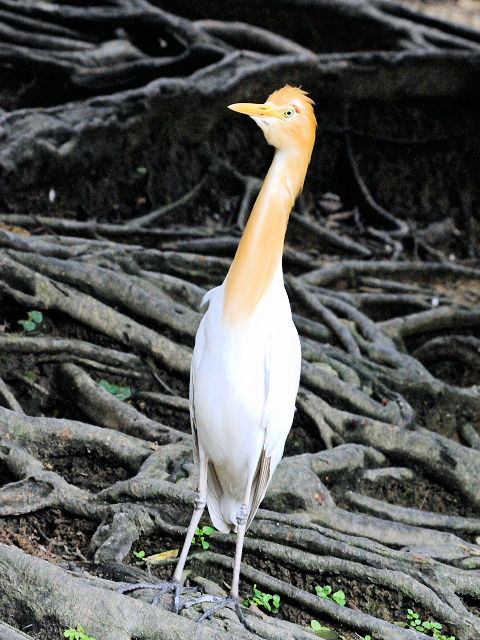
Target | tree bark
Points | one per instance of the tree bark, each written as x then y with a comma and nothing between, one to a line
124,188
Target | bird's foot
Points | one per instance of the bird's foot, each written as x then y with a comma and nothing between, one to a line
162,587
228,601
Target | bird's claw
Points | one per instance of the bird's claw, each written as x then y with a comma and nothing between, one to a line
220,603
162,587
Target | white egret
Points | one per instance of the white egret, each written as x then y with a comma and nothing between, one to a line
246,361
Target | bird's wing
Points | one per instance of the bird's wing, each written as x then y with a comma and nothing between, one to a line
197,353
213,483
214,490
191,402
260,484
282,373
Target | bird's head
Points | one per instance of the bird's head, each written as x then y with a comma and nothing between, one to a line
286,118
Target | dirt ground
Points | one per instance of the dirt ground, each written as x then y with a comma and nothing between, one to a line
38,385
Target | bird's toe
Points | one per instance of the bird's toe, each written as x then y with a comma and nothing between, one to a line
162,588
229,601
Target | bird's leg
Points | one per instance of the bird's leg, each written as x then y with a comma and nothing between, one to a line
199,507
232,599
175,584
241,529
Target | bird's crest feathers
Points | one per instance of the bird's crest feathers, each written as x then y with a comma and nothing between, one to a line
293,95
288,94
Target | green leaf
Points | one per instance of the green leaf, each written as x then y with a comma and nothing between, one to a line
205,544
323,592
107,386
27,325
266,600
139,554
207,531
121,393
324,632
77,634
35,316
142,170
339,598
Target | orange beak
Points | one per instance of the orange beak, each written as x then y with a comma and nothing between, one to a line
255,110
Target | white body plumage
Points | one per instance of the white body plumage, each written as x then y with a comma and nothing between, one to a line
242,393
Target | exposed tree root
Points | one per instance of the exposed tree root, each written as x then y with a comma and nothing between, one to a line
363,378
130,192
68,598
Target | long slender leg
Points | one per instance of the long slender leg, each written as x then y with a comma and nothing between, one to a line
232,599
199,508
241,529
175,584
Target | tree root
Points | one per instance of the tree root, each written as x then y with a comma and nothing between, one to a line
9,633
362,377
415,517
104,613
350,270
9,398
317,606
87,309
118,259
59,436
102,407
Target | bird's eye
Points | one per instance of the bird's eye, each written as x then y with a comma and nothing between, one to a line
288,113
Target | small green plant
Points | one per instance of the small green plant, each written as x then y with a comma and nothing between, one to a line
316,626
199,537
414,621
324,632
121,393
77,634
140,555
34,318
266,600
425,626
326,593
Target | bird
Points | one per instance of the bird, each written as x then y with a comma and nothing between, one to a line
246,360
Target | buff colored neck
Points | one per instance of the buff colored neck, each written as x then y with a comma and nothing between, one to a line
259,254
